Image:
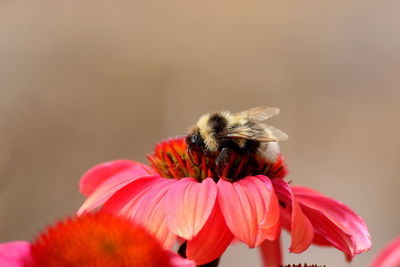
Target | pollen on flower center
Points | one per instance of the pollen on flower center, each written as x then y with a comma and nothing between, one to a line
172,160
98,240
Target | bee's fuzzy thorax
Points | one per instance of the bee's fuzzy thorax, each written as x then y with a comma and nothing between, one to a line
209,126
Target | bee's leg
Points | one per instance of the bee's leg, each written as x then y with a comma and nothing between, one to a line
222,160
194,160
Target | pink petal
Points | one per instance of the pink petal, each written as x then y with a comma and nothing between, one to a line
101,172
320,240
333,220
212,240
272,226
292,216
189,205
143,201
271,253
106,189
389,255
129,194
15,254
327,230
250,209
178,261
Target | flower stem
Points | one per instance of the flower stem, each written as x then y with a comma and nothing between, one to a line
182,253
271,253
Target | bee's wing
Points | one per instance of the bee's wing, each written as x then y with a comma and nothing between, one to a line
266,134
258,113
275,133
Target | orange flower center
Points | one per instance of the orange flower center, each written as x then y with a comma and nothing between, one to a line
97,240
172,160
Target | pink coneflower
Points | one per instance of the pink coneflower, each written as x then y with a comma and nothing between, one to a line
249,202
92,240
389,256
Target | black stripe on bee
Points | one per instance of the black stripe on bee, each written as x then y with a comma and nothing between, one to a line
217,123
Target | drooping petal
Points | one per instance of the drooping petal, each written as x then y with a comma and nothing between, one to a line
271,253
189,205
248,209
292,216
271,227
320,240
178,261
143,201
106,189
327,230
92,178
333,220
15,254
389,255
212,240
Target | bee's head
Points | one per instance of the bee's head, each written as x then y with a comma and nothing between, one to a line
194,140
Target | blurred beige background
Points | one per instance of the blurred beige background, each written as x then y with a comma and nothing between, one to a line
86,82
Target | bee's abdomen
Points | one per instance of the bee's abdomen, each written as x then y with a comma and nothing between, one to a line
241,145
248,146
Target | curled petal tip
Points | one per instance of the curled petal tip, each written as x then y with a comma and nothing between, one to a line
335,222
294,218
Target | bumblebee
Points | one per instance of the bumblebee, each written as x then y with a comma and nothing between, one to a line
221,133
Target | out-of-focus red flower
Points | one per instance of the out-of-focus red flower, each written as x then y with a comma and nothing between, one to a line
91,240
248,202
15,254
389,256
